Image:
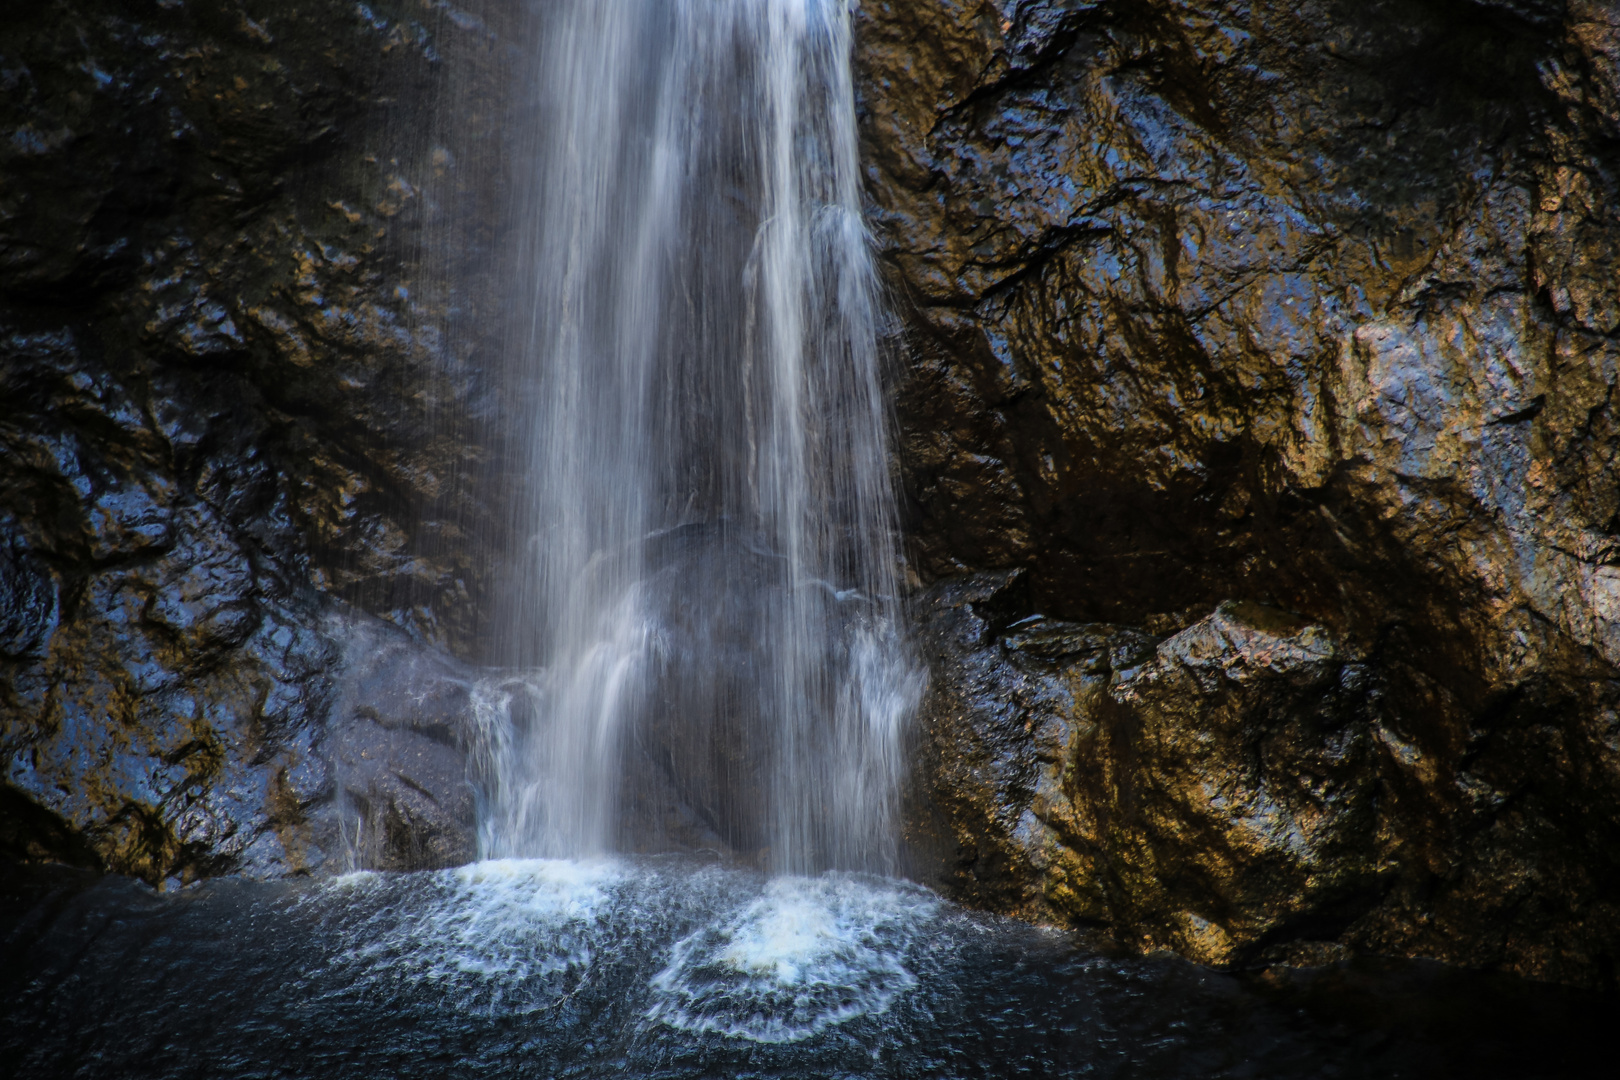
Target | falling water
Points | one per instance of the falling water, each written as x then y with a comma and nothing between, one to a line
711,577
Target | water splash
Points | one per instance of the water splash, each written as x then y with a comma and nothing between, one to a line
808,954
732,954
714,556
506,937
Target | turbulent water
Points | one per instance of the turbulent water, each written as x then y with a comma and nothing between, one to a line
713,558
660,968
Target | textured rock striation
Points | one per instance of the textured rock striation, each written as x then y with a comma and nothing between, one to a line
1287,334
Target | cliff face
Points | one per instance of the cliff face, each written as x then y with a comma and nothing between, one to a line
233,385
1254,416
1283,335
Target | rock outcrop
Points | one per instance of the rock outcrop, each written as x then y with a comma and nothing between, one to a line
1216,792
1309,306
233,398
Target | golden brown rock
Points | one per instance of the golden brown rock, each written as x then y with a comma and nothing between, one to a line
1307,305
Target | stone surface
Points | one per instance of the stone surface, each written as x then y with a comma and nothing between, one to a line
233,401
398,745
1305,305
1241,791
1211,792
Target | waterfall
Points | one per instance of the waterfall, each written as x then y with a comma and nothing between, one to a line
711,573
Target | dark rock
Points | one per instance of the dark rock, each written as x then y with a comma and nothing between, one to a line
1310,305
406,796
29,602
397,755
233,405
395,684
1238,783
1239,792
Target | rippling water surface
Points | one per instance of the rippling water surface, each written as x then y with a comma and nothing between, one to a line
655,968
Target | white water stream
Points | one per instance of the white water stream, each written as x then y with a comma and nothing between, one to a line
712,575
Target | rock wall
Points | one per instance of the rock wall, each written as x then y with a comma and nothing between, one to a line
1255,427
1283,333
242,272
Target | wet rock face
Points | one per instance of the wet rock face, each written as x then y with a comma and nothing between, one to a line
1211,792
397,746
231,411
1238,792
1310,306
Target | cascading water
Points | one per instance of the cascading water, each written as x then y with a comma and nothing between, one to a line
709,597
712,571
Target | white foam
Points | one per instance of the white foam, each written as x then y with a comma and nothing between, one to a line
509,936
807,954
